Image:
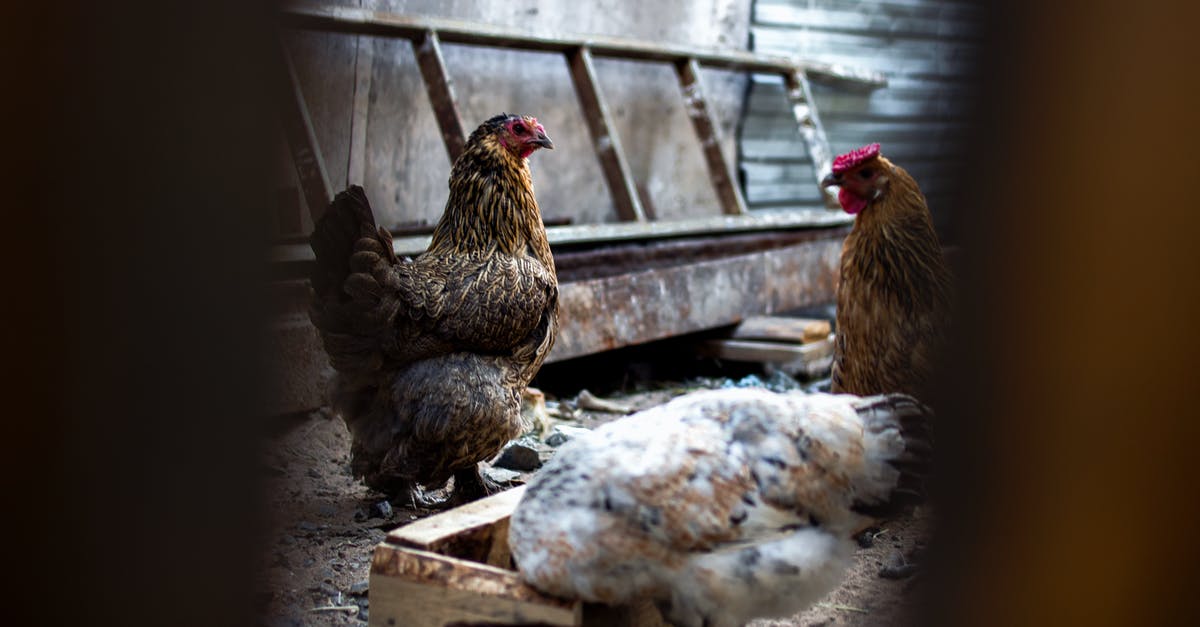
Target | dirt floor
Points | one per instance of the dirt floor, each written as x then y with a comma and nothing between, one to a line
326,524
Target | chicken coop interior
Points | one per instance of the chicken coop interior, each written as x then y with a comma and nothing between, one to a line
702,313
693,237
682,194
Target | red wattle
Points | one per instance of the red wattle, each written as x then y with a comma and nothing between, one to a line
850,201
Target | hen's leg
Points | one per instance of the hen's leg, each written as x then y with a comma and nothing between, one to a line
470,485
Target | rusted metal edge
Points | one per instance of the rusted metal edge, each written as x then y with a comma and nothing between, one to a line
729,195
441,92
623,310
799,96
762,220
302,138
353,20
615,166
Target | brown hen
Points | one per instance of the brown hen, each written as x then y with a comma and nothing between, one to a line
894,292
433,353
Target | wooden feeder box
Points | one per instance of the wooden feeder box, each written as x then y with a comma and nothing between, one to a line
454,569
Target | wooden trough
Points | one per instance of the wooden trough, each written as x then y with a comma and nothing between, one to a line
454,569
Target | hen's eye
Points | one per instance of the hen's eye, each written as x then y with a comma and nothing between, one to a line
865,173
518,128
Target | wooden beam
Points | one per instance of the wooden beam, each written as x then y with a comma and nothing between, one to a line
301,253
799,95
381,23
477,531
364,61
724,181
654,304
428,49
617,175
422,589
778,328
302,138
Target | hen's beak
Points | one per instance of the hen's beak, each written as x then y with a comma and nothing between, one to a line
831,180
543,141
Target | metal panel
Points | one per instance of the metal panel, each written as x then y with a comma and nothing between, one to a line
925,48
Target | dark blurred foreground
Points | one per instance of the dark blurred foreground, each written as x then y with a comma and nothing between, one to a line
136,171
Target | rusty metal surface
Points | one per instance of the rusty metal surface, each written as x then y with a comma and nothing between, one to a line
302,139
617,175
608,313
604,261
719,170
367,22
428,49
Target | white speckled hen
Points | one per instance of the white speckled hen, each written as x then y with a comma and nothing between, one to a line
721,506
433,353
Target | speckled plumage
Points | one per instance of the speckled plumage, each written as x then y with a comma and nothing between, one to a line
433,353
893,296
722,505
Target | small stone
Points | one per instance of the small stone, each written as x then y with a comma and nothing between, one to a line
565,433
518,456
287,540
866,539
501,476
381,509
304,525
327,509
360,588
309,562
896,567
312,472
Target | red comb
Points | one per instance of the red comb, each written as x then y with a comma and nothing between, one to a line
855,157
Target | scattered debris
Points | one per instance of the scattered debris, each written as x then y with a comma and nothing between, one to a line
534,411
349,609
844,608
381,509
897,567
519,455
563,434
589,401
500,476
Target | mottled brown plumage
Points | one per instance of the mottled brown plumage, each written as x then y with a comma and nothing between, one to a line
433,353
893,297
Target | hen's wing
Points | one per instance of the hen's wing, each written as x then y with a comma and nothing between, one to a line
374,309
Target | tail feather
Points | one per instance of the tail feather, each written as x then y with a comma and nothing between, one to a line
882,417
337,235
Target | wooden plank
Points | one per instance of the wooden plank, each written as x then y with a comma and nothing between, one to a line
302,139
382,23
780,329
428,50
810,217
477,531
615,166
809,360
799,95
719,170
364,61
422,589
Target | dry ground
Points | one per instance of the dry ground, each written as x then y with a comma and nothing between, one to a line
325,525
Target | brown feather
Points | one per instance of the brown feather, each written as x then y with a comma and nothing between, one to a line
433,353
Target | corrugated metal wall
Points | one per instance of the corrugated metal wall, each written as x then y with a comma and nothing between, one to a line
925,48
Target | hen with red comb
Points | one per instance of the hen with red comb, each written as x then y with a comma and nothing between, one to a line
893,296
